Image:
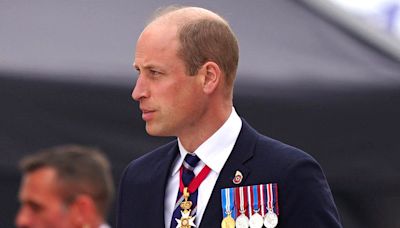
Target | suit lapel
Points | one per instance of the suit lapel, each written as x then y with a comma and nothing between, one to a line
242,152
158,182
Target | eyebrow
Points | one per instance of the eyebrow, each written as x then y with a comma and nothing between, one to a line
31,203
148,67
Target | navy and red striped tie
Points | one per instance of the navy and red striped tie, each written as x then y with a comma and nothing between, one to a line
188,166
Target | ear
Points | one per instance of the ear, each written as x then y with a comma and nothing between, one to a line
83,209
212,77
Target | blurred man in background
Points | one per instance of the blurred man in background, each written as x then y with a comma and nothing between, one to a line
65,186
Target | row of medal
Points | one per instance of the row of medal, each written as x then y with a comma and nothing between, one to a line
250,206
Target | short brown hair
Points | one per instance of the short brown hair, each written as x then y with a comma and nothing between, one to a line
205,39
80,170
209,40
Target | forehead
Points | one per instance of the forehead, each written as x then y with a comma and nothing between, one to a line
39,185
158,40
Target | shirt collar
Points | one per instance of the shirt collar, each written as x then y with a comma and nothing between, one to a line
215,150
104,225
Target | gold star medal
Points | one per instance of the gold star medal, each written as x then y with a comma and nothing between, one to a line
186,220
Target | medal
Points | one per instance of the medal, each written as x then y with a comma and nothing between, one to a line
270,219
228,222
256,220
186,220
249,206
227,196
242,221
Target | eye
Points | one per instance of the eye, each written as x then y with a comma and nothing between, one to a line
154,72
137,70
35,207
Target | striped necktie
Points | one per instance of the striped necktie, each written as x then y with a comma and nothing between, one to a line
188,166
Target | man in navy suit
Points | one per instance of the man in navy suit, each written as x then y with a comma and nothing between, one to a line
186,59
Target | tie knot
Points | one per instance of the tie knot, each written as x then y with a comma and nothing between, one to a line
190,161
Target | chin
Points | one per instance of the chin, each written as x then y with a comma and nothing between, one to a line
154,131
157,131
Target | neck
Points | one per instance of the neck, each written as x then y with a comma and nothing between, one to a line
205,128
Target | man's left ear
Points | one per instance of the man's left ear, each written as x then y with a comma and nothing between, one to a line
212,77
82,209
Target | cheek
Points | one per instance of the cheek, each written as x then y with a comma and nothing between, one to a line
172,97
180,98
57,217
190,104
186,93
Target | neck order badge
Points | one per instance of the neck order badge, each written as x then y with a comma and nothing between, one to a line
186,220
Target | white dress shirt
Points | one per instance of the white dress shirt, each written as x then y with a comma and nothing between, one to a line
213,152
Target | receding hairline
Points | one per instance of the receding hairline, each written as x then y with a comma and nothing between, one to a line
180,15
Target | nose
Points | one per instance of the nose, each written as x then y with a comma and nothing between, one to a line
23,218
140,90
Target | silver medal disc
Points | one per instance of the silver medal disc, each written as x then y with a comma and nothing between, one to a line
256,221
270,220
242,221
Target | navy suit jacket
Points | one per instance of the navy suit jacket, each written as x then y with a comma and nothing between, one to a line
304,196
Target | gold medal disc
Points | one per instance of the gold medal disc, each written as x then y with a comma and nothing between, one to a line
228,222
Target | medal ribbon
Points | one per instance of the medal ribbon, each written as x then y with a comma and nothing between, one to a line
249,200
266,199
241,200
255,198
262,198
195,183
275,197
272,195
228,202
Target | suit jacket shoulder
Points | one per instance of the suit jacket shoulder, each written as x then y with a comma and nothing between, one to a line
304,196
148,161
